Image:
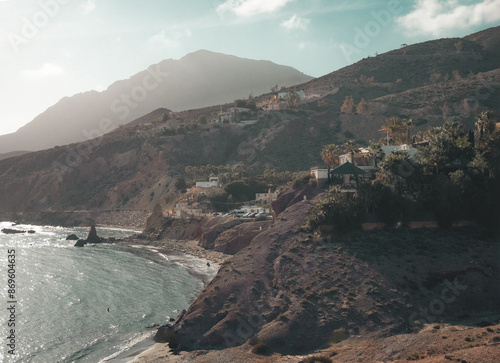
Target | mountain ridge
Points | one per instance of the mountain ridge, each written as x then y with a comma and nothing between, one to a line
191,82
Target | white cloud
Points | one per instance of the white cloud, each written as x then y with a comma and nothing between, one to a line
295,22
89,6
246,8
171,39
47,70
434,17
161,39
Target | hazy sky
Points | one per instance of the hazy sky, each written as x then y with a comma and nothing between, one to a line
55,48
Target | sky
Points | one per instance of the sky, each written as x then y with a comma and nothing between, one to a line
50,49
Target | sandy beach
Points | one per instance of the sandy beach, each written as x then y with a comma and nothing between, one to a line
180,252
187,247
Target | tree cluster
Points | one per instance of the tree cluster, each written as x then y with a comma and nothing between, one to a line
456,176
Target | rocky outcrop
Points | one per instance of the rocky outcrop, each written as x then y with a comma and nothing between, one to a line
295,291
155,222
214,228
80,243
235,239
289,197
93,237
12,231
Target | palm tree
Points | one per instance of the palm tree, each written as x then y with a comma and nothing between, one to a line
393,127
351,147
330,155
409,124
376,152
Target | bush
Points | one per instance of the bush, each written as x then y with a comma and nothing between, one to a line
260,348
301,180
339,209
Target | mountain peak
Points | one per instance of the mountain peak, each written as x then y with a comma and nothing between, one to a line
199,79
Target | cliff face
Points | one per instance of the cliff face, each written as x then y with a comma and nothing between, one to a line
294,291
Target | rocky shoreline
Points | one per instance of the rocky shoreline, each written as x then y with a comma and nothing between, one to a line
291,294
328,295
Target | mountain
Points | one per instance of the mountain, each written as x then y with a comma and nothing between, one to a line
197,80
136,166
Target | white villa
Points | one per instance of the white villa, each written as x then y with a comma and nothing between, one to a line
213,182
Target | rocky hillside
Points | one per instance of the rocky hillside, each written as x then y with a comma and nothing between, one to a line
293,292
136,166
414,66
197,80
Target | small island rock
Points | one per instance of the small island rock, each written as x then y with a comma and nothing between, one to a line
80,243
12,231
93,237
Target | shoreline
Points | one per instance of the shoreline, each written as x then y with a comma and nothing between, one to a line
182,253
186,247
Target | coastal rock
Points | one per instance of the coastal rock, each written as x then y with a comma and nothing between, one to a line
93,237
156,220
12,231
80,243
72,237
296,291
235,239
214,228
290,197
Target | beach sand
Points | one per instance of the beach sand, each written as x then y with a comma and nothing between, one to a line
176,251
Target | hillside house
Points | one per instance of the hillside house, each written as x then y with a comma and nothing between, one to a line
277,100
321,175
232,115
266,198
283,95
366,162
213,182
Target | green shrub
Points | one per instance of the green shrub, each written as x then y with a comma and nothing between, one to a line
301,180
260,348
343,211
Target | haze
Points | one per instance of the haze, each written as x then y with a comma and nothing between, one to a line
50,49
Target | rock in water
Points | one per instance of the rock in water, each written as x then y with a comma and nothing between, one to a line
72,237
93,237
11,231
80,243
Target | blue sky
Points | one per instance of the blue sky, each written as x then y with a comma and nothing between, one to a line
55,48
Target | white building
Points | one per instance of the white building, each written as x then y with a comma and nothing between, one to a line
266,198
213,182
319,174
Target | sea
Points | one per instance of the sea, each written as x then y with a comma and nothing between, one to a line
90,304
